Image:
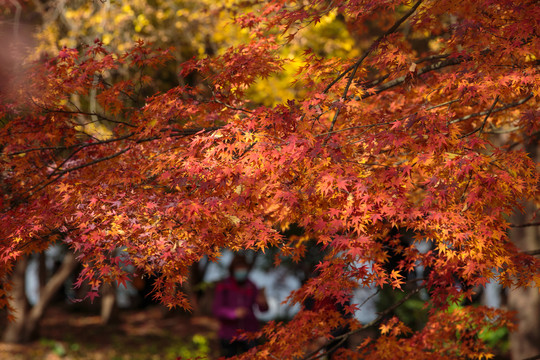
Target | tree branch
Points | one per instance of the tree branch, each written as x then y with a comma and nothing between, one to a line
387,122
373,46
56,175
82,166
530,137
80,112
345,92
379,80
85,146
525,225
314,354
481,128
400,80
215,99
502,108
188,132
175,132
357,64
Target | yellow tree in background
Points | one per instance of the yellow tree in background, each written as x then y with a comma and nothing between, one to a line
192,28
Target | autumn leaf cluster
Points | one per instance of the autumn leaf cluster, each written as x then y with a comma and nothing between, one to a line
423,128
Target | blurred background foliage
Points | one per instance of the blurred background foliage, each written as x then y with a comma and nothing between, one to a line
191,27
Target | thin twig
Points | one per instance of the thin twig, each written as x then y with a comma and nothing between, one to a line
388,122
84,145
354,127
44,148
442,104
80,112
370,297
481,128
229,106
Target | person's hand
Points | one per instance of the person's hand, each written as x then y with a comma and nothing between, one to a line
240,312
261,298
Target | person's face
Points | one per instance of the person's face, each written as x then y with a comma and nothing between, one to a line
240,273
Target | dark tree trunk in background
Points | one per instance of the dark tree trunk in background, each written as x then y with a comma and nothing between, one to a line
525,341
24,327
108,303
42,271
18,304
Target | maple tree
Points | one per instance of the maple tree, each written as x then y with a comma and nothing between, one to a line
425,138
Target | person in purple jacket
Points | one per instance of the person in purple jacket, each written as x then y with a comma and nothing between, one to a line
234,301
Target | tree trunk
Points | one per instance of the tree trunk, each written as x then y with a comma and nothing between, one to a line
18,303
24,327
525,341
42,271
108,302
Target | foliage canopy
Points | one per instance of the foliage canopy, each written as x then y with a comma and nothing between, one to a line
420,128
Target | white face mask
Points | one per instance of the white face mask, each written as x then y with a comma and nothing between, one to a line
240,275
